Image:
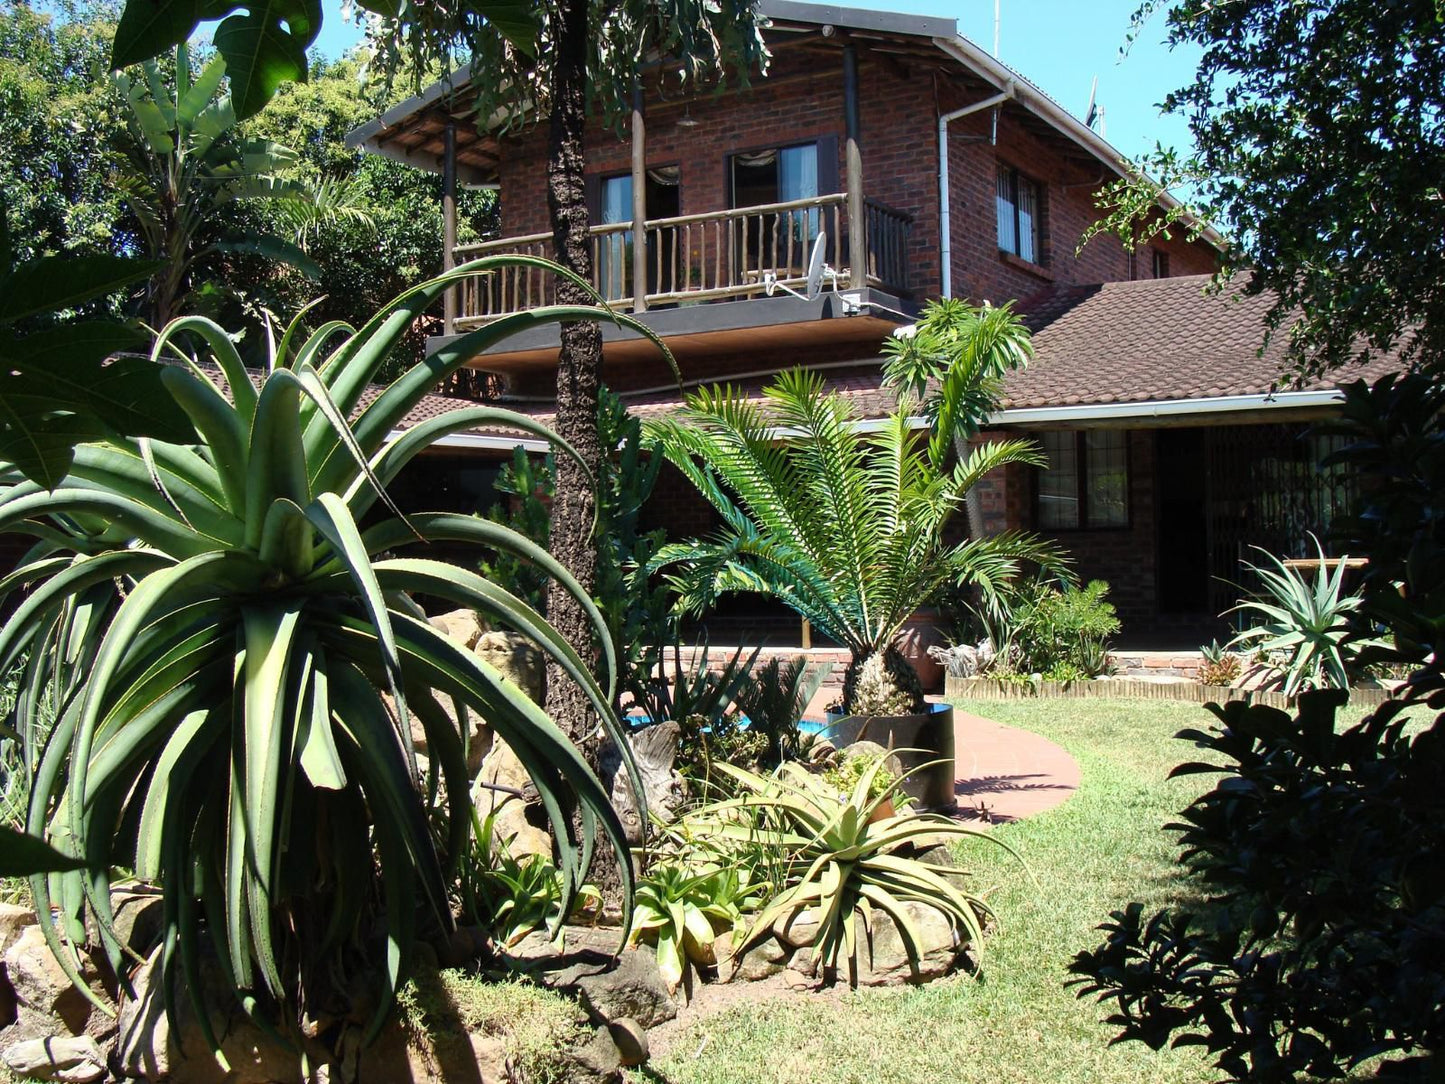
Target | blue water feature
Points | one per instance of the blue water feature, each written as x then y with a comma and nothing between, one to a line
806,726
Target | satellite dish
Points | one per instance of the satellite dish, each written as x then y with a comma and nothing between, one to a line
816,270
815,266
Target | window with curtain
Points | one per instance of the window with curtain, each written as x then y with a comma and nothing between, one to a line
1085,485
779,175
614,256
1017,204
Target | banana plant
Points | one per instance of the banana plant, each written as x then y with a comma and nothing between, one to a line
224,637
182,160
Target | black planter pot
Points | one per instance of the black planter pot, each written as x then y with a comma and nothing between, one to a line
926,738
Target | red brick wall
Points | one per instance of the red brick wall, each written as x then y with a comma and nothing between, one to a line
801,100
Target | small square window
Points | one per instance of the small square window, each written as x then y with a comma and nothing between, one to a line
1086,482
1018,215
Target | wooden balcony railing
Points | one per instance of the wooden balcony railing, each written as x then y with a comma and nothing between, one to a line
718,256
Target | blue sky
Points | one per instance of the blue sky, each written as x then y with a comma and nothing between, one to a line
1059,44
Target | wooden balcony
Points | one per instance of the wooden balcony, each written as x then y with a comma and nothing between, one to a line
727,255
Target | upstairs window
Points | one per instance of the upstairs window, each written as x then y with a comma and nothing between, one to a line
1018,214
1159,263
1086,483
775,175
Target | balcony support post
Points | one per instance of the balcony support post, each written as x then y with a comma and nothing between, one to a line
449,223
639,203
853,165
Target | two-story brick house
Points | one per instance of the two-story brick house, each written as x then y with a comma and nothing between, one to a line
927,168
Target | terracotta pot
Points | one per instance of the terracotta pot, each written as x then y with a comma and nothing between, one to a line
919,633
882,811
925,738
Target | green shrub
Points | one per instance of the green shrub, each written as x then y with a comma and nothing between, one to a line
1053,628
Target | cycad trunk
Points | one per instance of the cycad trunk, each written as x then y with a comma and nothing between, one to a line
868,697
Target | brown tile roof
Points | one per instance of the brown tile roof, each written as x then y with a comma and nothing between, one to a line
1154,339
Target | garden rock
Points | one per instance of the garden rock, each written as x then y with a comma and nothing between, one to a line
654,749
798,929
464,626
148,1047
503,789
516,657
13,920
609,985
887,962
597,1061
46,1002
139,918
763,960
630,1038
634,988
71,1059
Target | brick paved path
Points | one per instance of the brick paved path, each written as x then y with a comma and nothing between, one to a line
1004,773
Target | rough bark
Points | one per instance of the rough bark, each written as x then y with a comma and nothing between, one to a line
579,364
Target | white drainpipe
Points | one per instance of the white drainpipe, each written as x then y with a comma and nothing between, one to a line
945,246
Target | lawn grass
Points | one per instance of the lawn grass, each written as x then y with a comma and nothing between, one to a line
1018,1023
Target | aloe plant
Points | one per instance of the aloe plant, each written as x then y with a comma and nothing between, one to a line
844,859
1305,638
232,662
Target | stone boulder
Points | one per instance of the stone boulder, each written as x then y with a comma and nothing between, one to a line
149,1048
886,962
46,1003
611,986
13,920
517,658
70,1059
503,790
654,750
464,626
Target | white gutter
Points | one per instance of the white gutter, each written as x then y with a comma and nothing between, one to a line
1165,408
1085,413
944,244
483,441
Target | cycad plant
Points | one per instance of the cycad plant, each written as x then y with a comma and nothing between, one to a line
847,527
233,663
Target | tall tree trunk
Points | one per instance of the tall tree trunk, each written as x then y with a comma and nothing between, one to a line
579,374
580,364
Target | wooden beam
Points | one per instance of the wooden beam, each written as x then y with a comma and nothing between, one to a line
639,204
853,162
449,224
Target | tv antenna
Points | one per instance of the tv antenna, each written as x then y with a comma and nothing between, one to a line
817,269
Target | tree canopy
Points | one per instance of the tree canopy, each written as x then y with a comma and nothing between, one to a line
1319,132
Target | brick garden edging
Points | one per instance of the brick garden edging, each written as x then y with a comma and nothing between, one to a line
956,688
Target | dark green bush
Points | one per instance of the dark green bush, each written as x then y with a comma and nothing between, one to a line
1318,940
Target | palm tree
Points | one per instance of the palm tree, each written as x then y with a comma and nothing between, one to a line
181,161
846,527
